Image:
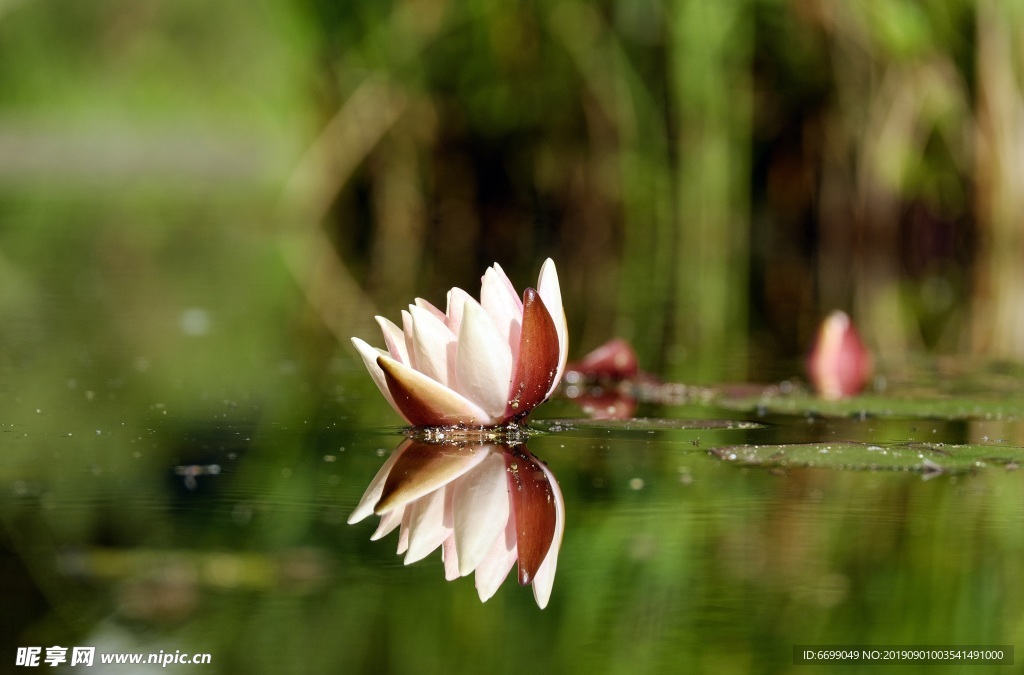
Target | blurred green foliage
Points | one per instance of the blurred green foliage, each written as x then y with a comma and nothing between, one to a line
711,177
200,202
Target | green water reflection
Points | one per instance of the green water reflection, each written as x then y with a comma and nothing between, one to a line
133,527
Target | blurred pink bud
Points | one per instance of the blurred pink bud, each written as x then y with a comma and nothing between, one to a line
614,360
839,365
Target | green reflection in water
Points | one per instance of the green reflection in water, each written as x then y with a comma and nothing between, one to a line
130,540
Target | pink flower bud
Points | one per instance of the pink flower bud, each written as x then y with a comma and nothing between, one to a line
614,360
839,364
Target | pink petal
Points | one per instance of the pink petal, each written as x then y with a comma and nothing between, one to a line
388,522
423,304
551,293
534,511
409,339
424,402
450,557
498,298
456,301
480,509
537,363
483,362
394,338
370,355
432,345
424,468
403,534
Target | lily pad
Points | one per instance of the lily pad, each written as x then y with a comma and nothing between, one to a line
891,404
643,424
932,390
926,458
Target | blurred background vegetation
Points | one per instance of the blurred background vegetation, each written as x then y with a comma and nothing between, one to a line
710,177
200,202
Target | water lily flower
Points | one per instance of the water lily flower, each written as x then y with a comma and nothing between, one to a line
477,364
488,507
839,364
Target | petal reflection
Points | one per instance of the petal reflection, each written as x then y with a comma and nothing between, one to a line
534,510
487,506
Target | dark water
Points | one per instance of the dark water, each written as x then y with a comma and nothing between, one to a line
194,516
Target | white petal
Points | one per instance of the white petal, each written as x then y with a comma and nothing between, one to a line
403,534
544,579
483,362
369,355
456,301
388,522
409,340
450,556
426,526
423,304
499,299
551,293
372,494
394,338
432,345
491,572
480,510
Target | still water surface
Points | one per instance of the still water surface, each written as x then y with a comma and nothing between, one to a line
141,519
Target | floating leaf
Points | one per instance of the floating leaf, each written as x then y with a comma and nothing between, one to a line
940,390
892,404
643,424
926,458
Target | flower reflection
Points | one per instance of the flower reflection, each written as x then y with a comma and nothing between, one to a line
477,364
487,506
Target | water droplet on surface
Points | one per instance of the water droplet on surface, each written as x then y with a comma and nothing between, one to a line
194,321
